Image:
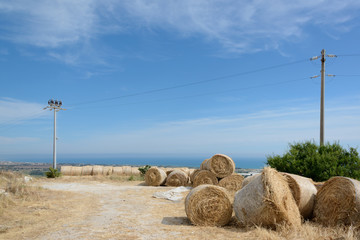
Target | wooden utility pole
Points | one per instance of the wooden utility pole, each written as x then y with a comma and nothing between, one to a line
322,99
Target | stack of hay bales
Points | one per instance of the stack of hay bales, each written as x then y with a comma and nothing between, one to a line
338,202
208,205
87,170
267,201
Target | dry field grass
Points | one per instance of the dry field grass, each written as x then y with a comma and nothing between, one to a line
104,208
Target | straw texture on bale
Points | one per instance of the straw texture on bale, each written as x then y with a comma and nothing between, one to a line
185,170
203,164
177,178
318,185
97,170
249,179
304,192
66,170
219,164
117,170
76,171
205,177
135,171
107,170
127,170
168,171
267,201
155,177
208,205
338,202
193,174
232,183
87,170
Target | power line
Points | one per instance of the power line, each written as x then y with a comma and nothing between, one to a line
212,93
190,84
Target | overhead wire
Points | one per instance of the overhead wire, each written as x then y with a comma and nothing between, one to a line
188,84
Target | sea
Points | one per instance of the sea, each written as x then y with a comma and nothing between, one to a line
165,161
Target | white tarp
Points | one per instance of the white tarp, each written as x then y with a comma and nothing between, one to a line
173,194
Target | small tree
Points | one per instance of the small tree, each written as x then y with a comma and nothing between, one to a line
318,162
144,169
52,173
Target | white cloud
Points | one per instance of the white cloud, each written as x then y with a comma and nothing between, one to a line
14,111
239,26
255,134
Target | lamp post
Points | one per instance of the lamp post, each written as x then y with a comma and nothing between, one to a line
56,106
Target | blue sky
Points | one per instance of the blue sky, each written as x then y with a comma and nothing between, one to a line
176,78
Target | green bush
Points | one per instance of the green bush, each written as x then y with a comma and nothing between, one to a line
52,173
318,162
144,169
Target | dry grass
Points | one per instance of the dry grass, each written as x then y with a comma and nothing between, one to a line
27,212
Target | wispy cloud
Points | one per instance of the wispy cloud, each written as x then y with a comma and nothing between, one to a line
15,111
254,134
238,26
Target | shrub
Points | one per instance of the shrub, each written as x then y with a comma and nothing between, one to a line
53,173
318,162
144,169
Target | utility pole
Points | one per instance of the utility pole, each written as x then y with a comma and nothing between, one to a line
322,99
56,106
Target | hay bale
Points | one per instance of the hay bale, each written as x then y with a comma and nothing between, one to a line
117,171
97,170
193,174
177,178
66,170
168,171
127,170
232,183
304,192
249,179
135,171
205,177
203,164
87,170
219,164
208,205
155,177
107,170
267,201
76,171
338,202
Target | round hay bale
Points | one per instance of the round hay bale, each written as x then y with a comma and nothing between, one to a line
168,171
66,170
203,164
219,164
249,179
193,174
205,177
97,170
338,202
304,192
232,183
117,171
87,170
155,177
127,170
107,170
135,171
177,178
76,171
267,201
185,170
208,205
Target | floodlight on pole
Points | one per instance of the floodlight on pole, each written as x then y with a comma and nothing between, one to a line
56,106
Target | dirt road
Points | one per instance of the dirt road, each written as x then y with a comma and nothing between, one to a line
129,211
